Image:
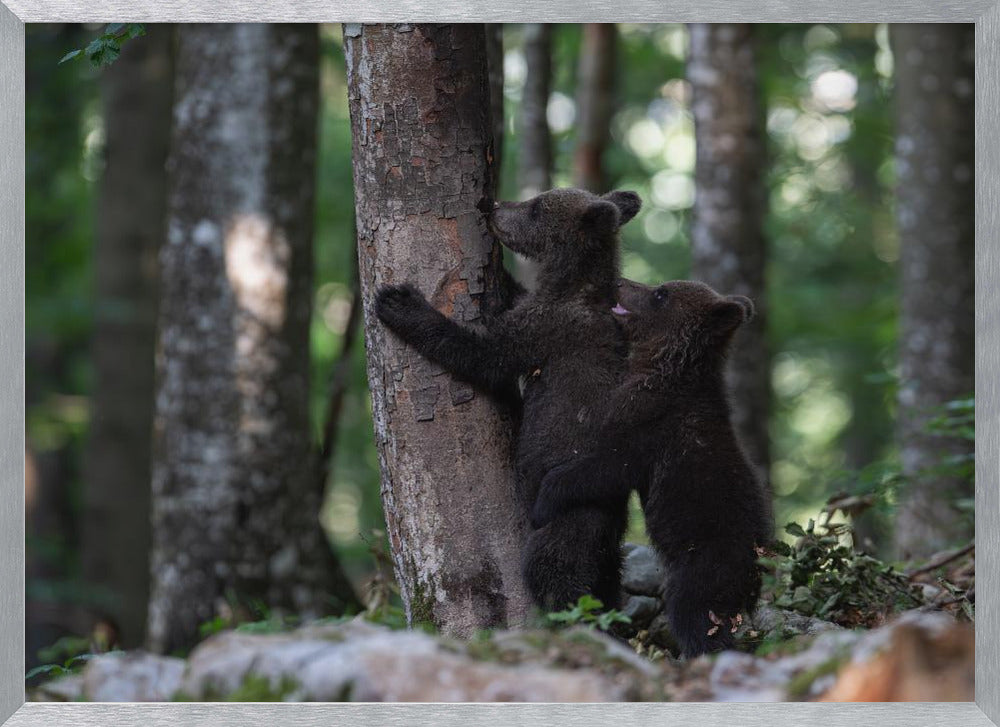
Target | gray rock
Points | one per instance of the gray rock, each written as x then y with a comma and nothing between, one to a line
362,662
779,623
642,573
64,689
629,547
641,609
660,634
134,676
738,677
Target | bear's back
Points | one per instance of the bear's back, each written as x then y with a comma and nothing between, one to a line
581,360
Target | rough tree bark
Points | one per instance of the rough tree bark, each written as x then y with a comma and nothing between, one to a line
421,124
727,240
595,104
535,147
136,93
235,507
935,197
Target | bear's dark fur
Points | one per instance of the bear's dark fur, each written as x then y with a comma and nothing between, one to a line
562,346
667,433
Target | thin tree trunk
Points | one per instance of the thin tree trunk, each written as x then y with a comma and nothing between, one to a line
494,66
137,94
535,147
534,151
727,240
421,124
595,104
339,381
235,508
935,195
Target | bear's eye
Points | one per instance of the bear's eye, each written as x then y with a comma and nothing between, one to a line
533,210
661,295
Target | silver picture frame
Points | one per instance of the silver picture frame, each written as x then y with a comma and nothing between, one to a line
15,13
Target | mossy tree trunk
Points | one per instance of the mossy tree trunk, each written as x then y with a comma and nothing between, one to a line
420,114
235,498
727,239
935,196
136,94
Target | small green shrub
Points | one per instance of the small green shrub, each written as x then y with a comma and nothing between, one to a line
588,611
822,575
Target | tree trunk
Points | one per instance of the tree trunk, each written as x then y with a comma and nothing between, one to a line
494,66
235,506
534,159
535,148
595,104
421,124
136,93
935,214
727,240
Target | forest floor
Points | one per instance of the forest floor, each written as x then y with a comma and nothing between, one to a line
834,625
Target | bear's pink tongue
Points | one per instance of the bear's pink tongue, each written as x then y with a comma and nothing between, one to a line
620,310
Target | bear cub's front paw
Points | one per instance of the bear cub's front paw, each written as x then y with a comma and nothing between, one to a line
396,305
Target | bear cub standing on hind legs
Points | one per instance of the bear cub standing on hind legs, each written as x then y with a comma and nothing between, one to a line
667,432
562,346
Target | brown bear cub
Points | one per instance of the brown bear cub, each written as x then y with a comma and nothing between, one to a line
667,433
563,348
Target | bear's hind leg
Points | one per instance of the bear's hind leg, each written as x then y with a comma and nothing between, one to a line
707,590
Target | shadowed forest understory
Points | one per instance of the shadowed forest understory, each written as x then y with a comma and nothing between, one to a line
241,486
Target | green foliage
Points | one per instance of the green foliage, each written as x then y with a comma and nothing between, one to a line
831,278
822,575
68,655
253,616
588,611
105,48
957,421
253,688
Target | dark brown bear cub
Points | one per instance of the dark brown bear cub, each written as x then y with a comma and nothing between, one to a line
563,348
667,433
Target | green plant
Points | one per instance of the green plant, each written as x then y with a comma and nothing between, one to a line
588,611
105,48
66,656
822,575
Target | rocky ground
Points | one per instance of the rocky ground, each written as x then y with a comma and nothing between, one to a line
922,654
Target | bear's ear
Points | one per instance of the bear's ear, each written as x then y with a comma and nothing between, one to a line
746,304
729,314
601,218
628,204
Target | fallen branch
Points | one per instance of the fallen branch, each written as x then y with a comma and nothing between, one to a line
941,560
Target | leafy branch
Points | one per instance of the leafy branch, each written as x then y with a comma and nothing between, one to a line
105,49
